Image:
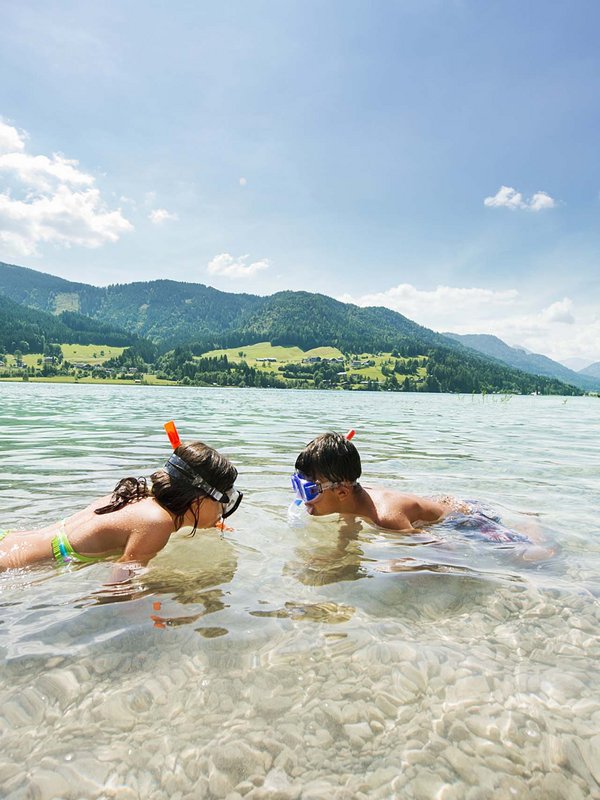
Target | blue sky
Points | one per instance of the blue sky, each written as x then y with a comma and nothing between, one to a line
351,148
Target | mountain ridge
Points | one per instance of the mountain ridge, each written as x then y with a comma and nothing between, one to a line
200,318
520,358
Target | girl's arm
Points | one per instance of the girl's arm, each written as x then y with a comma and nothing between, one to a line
143,544
141,547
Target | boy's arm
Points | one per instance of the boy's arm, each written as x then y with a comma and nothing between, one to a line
396,521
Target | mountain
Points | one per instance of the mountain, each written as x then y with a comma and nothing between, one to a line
174,312
533,363
199,318
29,330
592,371
576,363
165,311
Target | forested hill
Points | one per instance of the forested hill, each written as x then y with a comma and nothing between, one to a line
197,318
173,312
313,320
30,331
169,312
534,363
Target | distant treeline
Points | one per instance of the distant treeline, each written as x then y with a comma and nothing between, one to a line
445,372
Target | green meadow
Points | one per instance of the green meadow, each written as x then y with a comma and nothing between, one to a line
284,355
90,353
84,353
295,355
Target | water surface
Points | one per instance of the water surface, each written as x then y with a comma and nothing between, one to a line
319,661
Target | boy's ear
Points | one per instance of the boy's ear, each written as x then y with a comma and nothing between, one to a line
342,491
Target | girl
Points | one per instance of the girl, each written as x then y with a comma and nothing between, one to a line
194,488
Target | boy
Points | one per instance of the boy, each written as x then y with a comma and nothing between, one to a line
326,479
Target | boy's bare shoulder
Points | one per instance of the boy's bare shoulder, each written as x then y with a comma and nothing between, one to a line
399,511
390,509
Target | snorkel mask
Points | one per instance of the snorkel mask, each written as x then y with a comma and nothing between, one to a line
307,490
176,467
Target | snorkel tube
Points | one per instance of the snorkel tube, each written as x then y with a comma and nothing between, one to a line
172,434
351,434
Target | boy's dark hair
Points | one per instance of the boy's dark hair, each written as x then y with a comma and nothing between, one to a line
174,494
330,456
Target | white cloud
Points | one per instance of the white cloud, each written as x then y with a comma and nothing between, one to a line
11,140
48,199
64,217
541,200
438,304
507,197
160,215
561,311
243,182
43,173
554,330
225,264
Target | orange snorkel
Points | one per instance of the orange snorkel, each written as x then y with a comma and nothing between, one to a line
172,434
351,434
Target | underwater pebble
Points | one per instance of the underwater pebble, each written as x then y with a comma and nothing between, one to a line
49,785
113,709
504,765
218,783
553,752
463,765
287,760
60,685
381,777
238,758
25,708
458,732
590,752
333,711
277,786
350,713
244,787
387,705
576,761
359,730
90,770
510,787
556,786
426,785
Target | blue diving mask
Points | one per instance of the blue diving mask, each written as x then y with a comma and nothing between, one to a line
307,490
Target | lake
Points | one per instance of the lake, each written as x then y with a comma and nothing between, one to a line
306,660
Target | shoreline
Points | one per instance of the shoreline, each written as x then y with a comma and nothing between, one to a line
145,383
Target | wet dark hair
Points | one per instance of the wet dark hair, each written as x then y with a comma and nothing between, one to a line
174,493
330,456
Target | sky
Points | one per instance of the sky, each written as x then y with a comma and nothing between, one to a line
438,157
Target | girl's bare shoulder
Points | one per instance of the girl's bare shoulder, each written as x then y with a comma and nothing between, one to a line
144,513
